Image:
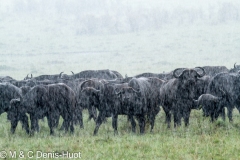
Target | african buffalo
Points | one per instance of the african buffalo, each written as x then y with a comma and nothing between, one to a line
15,114
140,100
209,104
155,101
129,103
86,99
109,102
149,91
73,84
230,84
51,101
101,95
176,95
7,93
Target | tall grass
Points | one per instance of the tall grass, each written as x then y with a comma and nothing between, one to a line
201,140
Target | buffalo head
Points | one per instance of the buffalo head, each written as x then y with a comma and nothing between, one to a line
187,81
128,94
189,73
88,96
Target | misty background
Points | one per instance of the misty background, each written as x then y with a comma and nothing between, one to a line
119,16
131,36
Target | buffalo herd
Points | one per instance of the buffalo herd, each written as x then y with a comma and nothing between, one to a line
106,93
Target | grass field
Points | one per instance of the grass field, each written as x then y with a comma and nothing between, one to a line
37,49
201,140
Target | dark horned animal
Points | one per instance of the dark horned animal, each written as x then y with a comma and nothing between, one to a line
176,95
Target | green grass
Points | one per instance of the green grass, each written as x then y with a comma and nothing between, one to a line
201,140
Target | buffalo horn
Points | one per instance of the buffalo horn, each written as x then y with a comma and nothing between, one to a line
201,75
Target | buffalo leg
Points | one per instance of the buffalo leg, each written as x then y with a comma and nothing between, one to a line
215,114
152,120
213,117
13,126
133,123
80,119
186,118
168,117
68,117
34,123
24,121
141,121
175,118
229,112
115,123
100,118
92,113
50,124
66,121
37,126
156,110
205,111
71,121
222,113
56,120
